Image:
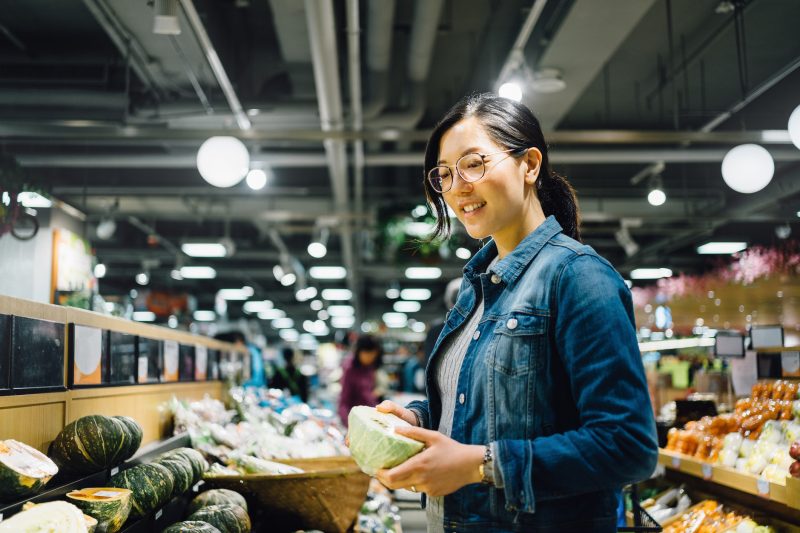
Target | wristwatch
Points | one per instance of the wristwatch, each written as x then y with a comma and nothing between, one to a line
486,468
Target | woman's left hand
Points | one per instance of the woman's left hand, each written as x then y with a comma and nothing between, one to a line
443,467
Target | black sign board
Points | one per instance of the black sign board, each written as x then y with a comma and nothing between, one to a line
186,363
5,352
37,355
122,350
149,363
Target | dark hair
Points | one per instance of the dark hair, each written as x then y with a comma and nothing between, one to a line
511,125
367,343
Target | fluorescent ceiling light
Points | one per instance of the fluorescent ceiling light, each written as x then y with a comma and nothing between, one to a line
198,272
395,320
235,294
511,90
327,272
316,327
283,323
675,344
423,273
289,335
323,315
721,248
418,327
256,306
463,253
343,322
407,307
271,314
650,273
419,211
142,278
256,179
419,229
336,294
288,279
204,249
415,294
144,316
341,310
204,316
393,293
316,305
317,250
33,200
100,270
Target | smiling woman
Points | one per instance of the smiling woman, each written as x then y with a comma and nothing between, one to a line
537,402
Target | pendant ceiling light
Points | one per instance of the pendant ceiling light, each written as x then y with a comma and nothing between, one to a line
223,161
747,168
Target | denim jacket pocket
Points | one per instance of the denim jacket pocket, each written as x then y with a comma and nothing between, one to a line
517,343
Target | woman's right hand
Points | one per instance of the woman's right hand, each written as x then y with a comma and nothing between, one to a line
387,406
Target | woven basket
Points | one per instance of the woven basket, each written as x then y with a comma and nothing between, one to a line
326,496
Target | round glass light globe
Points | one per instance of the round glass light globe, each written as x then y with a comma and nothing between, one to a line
656,197
223,161
511,90
256,179
317,250
794,126
747,168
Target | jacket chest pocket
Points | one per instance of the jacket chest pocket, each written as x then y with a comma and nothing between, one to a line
517,344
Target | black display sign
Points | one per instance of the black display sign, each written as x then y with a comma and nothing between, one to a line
37,355
186,363
149,363
122,350
5,352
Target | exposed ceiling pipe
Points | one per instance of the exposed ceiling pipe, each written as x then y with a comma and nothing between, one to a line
427,14
396,159
516,57
380,19
322,33
216,65
59,98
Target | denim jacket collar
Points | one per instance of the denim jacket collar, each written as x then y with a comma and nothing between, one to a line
511,266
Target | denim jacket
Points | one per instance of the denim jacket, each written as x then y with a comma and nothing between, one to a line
553,379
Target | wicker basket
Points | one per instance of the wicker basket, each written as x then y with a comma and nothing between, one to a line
326,496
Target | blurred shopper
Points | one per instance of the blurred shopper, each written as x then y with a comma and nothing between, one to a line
414,372
359,379
537,411
450,293
288,376
257,375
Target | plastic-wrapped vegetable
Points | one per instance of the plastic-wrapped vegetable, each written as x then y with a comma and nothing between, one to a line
254,465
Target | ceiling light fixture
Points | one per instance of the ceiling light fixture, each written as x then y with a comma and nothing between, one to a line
316,305
144,316
336,294
341,310
271,314
463,253
403,306
725,248
204,315
255,306
318,247
548,80
204,249
198,272
106,228
393,293
33,200
256,179
395,320
166,20
656,196
650,273
289,335
143,278
235,294
343,322
223,161
423,273
328,272
794,126
419,211
415,294
748,168
100,270
511,90
283,323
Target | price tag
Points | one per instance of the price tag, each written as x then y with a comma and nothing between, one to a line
142,374
115,471
107,494
763,487
159,513
1,517
196,487
676,462
707,471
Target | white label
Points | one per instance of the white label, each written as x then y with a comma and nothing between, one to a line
676,462
707,471
171,357
196,487
763,487
200,361
159,513
88,349
107,493
1,517
115,471
142,368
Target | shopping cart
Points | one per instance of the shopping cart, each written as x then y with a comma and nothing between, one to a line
641,520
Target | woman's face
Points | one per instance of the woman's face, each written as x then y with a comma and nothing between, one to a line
504,197
367,357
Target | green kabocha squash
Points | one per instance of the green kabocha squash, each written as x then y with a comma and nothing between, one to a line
151,484
217,497
191,526
196,459
110,506
181,470
23,470
90,444
135,433
226,518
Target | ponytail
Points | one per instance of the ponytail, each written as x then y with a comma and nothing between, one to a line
557,198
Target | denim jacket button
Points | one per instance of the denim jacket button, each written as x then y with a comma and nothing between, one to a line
461,398
512,323
496,279
476,336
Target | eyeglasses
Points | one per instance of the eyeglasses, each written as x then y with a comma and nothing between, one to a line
471,167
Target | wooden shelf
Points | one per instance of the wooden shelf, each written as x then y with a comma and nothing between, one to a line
788,494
